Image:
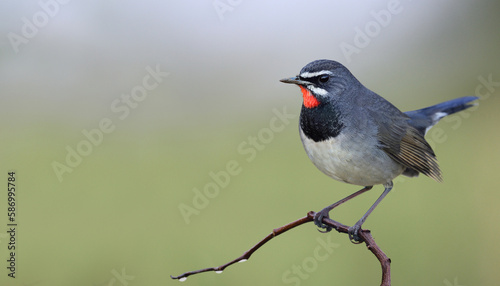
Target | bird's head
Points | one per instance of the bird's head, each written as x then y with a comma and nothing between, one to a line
321,81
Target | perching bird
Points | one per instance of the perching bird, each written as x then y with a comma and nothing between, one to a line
355,136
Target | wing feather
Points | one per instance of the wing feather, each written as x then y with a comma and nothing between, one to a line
407,146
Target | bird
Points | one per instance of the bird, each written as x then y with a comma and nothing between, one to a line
355,136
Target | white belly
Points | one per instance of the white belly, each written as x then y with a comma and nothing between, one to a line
350,160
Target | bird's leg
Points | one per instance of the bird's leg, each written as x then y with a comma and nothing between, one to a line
353,230
318,217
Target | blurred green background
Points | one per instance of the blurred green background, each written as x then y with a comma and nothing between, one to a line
116,218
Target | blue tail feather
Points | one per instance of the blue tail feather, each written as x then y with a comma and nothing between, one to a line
425,118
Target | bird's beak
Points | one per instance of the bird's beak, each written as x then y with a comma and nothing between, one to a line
294,80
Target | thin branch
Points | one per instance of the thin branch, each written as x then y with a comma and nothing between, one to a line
365,236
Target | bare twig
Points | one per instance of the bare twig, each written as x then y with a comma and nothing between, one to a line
365,236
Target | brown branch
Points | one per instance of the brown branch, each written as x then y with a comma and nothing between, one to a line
364,234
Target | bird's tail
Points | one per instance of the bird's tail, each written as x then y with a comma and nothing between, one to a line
423,119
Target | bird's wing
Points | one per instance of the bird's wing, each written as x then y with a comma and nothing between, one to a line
406,145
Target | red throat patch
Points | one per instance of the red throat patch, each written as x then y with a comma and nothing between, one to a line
309,100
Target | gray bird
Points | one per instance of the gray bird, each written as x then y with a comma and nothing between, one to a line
355,136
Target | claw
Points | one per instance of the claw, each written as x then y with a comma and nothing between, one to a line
327,229
318,221
353,234
318,217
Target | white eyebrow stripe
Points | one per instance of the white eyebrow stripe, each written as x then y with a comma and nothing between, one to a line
317,90
313,74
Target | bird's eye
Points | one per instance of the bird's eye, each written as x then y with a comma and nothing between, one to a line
324,78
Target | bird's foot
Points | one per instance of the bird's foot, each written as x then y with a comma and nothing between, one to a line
318,220
353,234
